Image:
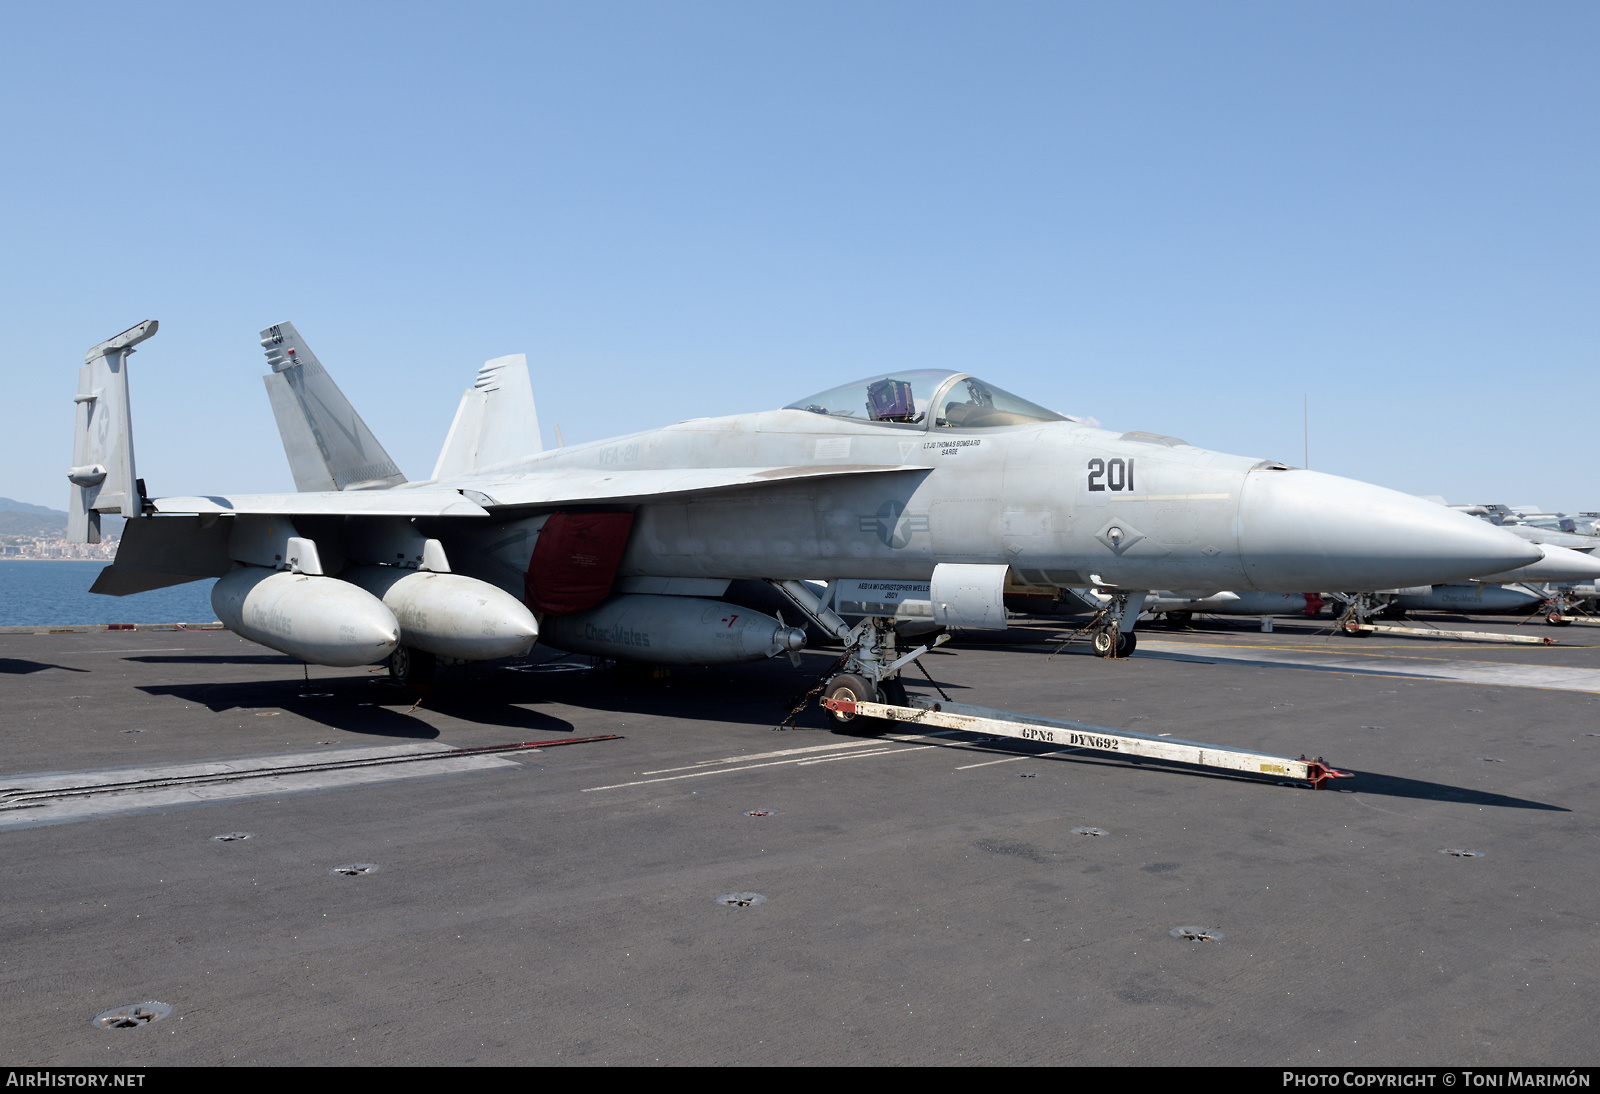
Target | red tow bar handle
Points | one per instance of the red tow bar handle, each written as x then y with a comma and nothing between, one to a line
1318,772
842,706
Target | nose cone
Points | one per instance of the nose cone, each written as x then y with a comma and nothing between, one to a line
1559,564
1303,530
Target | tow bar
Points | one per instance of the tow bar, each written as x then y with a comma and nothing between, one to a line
1076,735
1356,629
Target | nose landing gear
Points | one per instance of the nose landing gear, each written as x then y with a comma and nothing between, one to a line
1114,638
1112,642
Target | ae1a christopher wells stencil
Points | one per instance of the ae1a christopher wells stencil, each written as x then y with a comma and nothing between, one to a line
919,496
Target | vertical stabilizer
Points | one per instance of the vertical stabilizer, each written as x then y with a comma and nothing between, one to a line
495,422
102,473
328,445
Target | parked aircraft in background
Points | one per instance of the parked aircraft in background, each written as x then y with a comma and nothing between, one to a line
1468,598
1179,609
1580,532
624,547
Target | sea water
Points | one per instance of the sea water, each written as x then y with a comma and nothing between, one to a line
44,593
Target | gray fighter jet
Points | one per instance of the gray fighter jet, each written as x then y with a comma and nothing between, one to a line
924,491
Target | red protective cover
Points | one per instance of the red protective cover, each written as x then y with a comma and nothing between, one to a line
575,561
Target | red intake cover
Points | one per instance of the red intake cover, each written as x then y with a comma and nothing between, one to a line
575,561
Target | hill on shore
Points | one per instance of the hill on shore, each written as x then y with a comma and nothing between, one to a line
19,518
33,524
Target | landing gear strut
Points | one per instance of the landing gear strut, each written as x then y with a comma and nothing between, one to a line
1358,612
1115,637
1556,609
871,665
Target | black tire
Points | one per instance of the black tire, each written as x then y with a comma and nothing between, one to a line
1126,641
1102,643
893,692
1555,619
847,685
1179,620
412,669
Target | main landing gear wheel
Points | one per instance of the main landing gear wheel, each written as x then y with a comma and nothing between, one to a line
1179,620
847,685
412,669
1125,643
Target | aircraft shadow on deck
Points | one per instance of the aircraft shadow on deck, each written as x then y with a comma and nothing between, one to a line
338,712
755,694
15,666
337,704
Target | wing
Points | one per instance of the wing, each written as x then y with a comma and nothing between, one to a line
193,537
545,488
354,503
527,491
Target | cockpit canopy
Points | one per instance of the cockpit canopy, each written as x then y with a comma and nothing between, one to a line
959,401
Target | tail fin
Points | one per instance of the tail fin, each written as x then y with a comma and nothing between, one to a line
102,476
495,422
328,445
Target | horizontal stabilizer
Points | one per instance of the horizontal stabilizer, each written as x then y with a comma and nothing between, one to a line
328,445
495,422
155,552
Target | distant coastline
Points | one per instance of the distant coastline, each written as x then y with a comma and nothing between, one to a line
34,533
39,549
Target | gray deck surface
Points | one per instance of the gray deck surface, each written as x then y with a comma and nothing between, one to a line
925,903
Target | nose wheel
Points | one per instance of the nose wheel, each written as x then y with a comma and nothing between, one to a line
1114,643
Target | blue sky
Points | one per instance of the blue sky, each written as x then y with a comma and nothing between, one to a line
1173,217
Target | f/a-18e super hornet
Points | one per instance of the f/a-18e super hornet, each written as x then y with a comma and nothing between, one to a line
920,496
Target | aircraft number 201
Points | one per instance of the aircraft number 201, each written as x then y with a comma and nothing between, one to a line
1116,474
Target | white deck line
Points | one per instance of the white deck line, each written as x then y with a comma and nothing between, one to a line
1551,677
133,800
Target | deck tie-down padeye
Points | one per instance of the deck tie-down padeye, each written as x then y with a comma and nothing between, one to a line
1079,735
